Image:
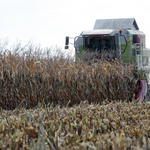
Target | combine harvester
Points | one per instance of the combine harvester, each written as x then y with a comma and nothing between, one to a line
124,38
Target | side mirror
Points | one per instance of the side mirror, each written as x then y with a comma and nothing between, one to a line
67,42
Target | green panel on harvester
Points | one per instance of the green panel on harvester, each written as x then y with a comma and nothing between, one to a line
80,48
128,54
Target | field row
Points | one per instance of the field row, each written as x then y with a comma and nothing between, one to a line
115,125
27,81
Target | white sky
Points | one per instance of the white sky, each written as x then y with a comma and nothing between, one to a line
48,21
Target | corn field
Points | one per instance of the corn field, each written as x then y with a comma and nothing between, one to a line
53,103
112,126
26,81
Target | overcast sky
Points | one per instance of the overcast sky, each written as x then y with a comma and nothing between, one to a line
48,21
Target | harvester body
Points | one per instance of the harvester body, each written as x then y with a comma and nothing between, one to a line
120,36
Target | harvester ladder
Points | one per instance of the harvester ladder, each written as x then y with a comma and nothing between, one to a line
138,55
138,49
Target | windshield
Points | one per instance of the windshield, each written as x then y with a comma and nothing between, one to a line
99,43
105,46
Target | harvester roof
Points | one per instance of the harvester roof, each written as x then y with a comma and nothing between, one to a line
124,23
110,32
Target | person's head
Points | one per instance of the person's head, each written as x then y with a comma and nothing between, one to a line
103,42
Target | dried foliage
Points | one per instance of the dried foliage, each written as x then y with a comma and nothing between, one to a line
27,80
40,91
87,55
113,126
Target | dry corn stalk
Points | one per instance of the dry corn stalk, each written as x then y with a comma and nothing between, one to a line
34,81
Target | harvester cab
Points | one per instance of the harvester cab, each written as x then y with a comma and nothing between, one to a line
119,37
